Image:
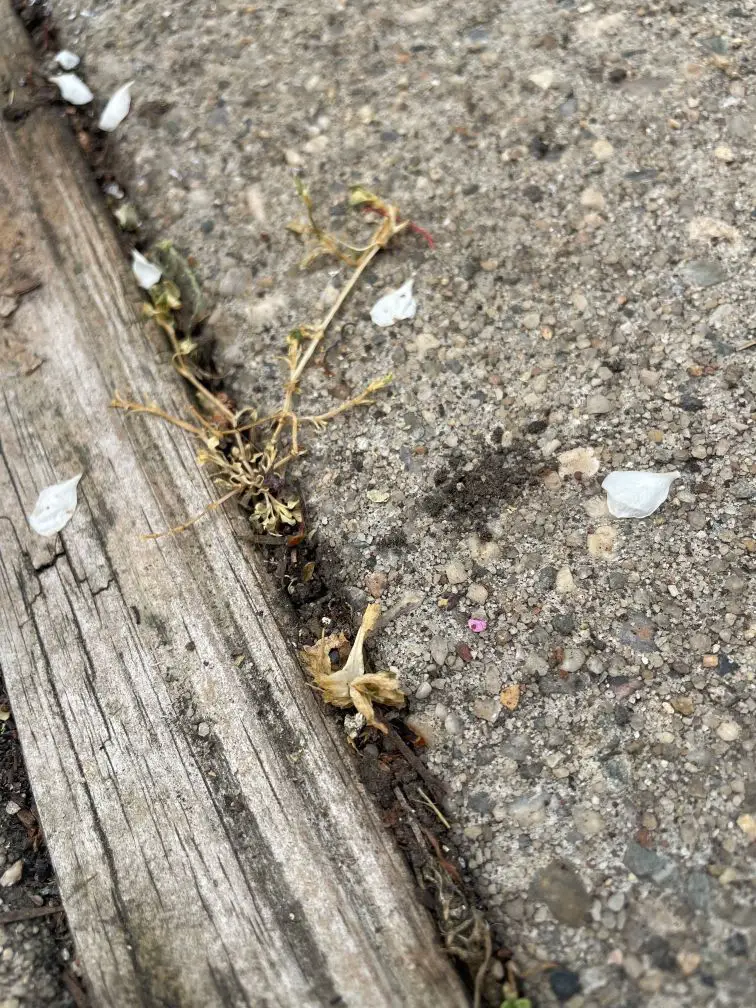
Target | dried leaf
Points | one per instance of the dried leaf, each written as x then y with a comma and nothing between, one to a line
55,507
394,306
316,657
127,217
116,109
192,305
352,686
72,89
510,696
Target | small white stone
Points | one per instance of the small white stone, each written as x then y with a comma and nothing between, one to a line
587,822
203,729
12,807
592,199
578,460
543,78
565,583
616,902
728,731
487,709
602,150
455,572
724,153
13,874
453,723
424,690
439,649
477,593
601,542
574,659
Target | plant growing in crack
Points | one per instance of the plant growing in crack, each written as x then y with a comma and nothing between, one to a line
250,454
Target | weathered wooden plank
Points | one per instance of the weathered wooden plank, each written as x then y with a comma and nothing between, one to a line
245,868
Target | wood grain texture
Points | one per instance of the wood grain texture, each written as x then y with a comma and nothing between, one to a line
247,868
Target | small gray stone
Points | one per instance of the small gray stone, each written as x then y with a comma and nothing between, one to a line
423,690
477,593
700,643
439,649
647,863
745,490
574,659
516,747
587,821
698,890
528,810
638,633
704,272
546,578
235,281
598,404
563,622
480,801
455,572
616,902
560,887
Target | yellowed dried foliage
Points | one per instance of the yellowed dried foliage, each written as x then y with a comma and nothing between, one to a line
352,685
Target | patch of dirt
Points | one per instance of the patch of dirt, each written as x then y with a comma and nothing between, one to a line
38,964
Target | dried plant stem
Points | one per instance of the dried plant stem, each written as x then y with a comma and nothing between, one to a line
365,260
442,818
193,521
363,399
134,407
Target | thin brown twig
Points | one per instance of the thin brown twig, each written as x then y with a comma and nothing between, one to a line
29,914
435,785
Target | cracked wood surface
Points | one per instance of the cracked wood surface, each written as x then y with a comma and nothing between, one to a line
246,868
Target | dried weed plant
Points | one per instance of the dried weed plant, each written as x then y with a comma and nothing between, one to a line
249,454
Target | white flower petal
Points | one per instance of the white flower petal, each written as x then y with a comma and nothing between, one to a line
117,109
55,507
637,494
394,306
72,89
147,273
67,59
